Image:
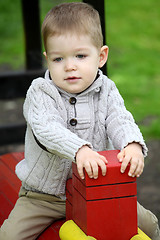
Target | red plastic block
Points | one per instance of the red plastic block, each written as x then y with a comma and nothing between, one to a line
52,232
113,175
9,188
9,183
69,199
106,218
69,186
69,209
106,208
104,191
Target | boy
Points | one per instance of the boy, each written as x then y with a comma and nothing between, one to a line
71,114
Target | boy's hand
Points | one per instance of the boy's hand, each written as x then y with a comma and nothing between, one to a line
90,160
132,154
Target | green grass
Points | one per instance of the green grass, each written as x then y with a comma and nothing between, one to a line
11,35
133,38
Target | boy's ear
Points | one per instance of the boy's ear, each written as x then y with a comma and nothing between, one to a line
45,54
103,55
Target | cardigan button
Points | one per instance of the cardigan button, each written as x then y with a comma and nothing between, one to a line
73,122
72,100
97,89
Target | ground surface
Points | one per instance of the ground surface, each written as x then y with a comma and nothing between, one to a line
149,182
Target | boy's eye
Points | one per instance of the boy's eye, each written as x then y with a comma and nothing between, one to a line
81,56
58,59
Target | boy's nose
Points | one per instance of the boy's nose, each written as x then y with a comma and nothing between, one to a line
70,65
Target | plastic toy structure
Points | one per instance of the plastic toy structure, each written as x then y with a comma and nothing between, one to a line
70,231
105,208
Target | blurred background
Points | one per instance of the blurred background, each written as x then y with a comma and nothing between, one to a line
133,37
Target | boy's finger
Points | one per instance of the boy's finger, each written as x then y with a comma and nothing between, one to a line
103,159
125,162
133,167
95,170
88,169
80,171
139,169
120,155
103,167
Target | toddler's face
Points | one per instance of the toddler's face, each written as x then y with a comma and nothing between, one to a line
73,61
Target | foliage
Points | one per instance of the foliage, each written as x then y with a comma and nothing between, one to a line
133,37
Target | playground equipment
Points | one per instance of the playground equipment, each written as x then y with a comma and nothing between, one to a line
102,207
106,206
70,231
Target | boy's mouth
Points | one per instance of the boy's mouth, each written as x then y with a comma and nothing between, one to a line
72,78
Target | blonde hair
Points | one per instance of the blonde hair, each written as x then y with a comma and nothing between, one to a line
76,17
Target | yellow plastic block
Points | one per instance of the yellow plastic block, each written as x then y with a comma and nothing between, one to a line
70,231
140,236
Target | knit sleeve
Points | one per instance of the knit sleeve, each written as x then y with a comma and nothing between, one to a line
121,127
42,114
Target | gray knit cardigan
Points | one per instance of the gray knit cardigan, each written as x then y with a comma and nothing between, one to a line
63,123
